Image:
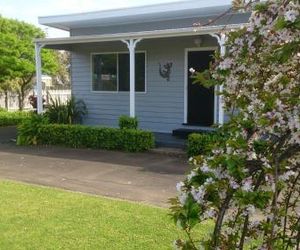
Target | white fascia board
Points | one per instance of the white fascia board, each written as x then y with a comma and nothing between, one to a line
107,16
137,35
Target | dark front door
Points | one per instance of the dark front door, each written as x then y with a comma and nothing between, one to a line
200,99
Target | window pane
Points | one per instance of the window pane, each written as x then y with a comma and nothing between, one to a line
105,72
123,72
139,72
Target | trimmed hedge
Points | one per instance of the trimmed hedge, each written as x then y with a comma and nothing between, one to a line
126,122
79,136
12,118
199,144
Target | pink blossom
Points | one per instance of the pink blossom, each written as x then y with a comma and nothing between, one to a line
247,185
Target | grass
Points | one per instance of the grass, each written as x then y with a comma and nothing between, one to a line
33,217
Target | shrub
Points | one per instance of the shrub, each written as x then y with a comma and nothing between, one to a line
79,136
28,130
202,143
71,112
12,118
126,122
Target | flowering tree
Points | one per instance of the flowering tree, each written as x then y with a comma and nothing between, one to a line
249,185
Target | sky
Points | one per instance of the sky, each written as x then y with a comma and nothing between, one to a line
30,10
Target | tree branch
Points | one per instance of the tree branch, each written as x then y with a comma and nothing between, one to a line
246,222
223,208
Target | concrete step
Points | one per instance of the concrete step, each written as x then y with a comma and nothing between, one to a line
168,141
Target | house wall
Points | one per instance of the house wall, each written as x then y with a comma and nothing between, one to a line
161,108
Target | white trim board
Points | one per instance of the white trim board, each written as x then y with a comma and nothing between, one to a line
185,102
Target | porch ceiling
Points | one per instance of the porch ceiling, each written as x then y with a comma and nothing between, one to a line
66,43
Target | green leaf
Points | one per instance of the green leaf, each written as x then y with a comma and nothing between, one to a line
281,23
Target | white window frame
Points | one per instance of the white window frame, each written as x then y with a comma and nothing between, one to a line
117,91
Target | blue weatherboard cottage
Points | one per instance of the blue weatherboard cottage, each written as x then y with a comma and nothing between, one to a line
136,61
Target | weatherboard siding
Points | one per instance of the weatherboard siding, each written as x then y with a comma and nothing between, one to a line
160,108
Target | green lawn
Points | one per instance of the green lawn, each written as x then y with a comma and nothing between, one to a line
34,217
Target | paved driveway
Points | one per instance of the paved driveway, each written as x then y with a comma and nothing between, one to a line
143,177
7,134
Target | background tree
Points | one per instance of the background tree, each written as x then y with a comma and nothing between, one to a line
62,78
7,87
249,184
17,61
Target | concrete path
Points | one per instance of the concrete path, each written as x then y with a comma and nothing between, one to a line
143,177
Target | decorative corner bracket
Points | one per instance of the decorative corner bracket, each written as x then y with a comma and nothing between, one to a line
221,38
131,43
38,47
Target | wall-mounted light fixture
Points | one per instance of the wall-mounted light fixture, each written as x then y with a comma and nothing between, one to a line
198,41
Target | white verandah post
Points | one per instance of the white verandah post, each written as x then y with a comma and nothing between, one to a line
131,44
38,67
221,40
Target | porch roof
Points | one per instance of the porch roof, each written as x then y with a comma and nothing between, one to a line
66,42
140,14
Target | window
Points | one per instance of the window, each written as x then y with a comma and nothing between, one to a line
105,72
139,72
111,72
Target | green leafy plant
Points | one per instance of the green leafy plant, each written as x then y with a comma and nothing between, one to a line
71,112
28,130
126,122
